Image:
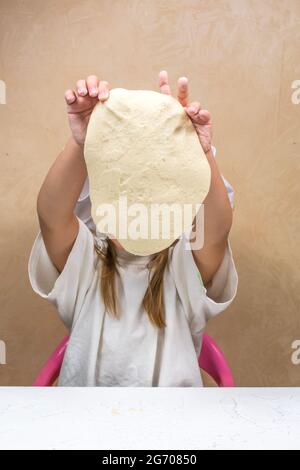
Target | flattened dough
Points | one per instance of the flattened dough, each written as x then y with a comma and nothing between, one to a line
141,144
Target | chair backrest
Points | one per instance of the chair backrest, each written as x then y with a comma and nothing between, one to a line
211,360
50,371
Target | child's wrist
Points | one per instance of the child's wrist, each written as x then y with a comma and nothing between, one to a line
76,145
209,153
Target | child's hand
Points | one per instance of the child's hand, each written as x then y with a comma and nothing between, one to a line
200,117
80,104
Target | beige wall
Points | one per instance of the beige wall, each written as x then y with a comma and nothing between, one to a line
241,57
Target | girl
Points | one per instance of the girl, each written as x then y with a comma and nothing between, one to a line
133,320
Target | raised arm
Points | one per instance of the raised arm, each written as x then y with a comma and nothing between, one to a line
56,202
217,208
218,216
63,184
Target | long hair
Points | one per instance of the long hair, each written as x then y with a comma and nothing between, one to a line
153,301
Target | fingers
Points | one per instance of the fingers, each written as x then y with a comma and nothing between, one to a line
97,88
103,90
204,116
163,82
70,97
82,88
194,108
90,87
182,91
197,114
94,87
182,87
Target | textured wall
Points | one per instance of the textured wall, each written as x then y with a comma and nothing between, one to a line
242,57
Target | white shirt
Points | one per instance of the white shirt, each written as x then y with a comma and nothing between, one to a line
130,351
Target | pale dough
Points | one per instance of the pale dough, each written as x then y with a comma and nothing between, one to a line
141,144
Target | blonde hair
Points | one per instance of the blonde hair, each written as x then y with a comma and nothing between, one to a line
153,301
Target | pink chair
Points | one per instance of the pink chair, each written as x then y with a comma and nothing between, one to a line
211,360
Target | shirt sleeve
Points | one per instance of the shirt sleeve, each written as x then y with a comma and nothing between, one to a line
201,304
65,290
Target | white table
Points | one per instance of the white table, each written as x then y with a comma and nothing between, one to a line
149,418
